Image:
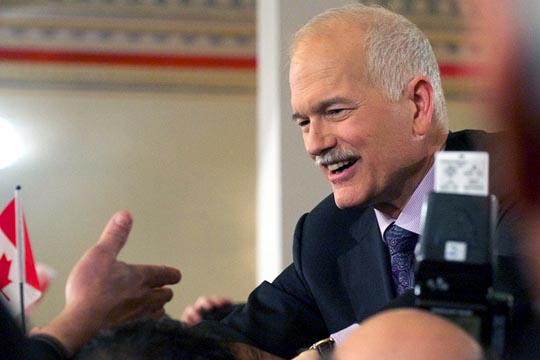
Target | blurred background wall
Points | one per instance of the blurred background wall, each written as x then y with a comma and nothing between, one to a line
151,106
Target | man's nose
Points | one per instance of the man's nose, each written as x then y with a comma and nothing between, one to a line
319,138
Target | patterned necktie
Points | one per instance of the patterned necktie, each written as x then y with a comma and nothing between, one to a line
401,245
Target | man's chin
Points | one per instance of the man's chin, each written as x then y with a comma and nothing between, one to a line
344,201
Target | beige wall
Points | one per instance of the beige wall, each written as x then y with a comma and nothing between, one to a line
183,164
468,114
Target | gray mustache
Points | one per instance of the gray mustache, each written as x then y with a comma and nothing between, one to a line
335,155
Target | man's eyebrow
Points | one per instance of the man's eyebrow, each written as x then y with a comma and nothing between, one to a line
296,116
322,106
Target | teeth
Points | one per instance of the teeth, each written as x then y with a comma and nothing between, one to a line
337,165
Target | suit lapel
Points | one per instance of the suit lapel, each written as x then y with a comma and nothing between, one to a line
365,267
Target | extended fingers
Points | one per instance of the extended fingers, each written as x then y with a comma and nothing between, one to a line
158,275
158,298
116,232
151,304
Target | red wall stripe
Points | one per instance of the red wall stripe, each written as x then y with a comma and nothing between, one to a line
136,59
460,70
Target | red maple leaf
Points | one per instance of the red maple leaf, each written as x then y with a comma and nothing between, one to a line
5,264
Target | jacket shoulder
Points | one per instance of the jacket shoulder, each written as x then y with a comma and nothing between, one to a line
474,140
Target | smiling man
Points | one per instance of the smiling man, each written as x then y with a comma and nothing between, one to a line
373,143
366,94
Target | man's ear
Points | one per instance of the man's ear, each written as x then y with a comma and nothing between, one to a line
420,92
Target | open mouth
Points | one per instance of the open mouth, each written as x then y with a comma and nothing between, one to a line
340,166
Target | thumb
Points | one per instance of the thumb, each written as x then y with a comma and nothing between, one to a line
116,232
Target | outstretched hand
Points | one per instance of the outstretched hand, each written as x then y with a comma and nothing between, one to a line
102,291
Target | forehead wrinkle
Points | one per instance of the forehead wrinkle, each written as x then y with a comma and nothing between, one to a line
306,75
307,80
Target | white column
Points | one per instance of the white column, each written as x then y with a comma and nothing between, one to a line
287,182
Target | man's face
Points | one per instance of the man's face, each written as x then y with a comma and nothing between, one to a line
364,144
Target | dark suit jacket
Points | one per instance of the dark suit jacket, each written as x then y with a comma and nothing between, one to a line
340,275
14,345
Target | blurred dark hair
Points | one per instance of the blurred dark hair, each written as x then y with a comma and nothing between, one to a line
151,339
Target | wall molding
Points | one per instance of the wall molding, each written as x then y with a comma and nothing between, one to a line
188,38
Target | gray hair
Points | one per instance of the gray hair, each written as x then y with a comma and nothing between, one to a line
396,50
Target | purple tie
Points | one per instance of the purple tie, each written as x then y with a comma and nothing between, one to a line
401,245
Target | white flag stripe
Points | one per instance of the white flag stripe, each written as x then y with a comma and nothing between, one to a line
10,293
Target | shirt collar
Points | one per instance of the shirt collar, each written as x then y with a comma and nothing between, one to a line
410,216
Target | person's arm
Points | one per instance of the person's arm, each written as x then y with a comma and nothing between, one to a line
102,291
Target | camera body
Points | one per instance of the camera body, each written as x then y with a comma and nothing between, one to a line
456,263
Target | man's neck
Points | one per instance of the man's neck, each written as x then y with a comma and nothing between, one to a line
405,192
409,217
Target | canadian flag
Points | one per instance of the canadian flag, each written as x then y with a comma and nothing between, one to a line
9,268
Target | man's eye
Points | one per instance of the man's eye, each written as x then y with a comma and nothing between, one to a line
303,122
333,112
338,114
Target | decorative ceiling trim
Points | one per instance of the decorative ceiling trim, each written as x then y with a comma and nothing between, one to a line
136,34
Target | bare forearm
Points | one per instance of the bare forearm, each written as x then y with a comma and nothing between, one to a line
71,328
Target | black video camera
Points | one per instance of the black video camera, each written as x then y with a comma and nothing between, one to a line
456,264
